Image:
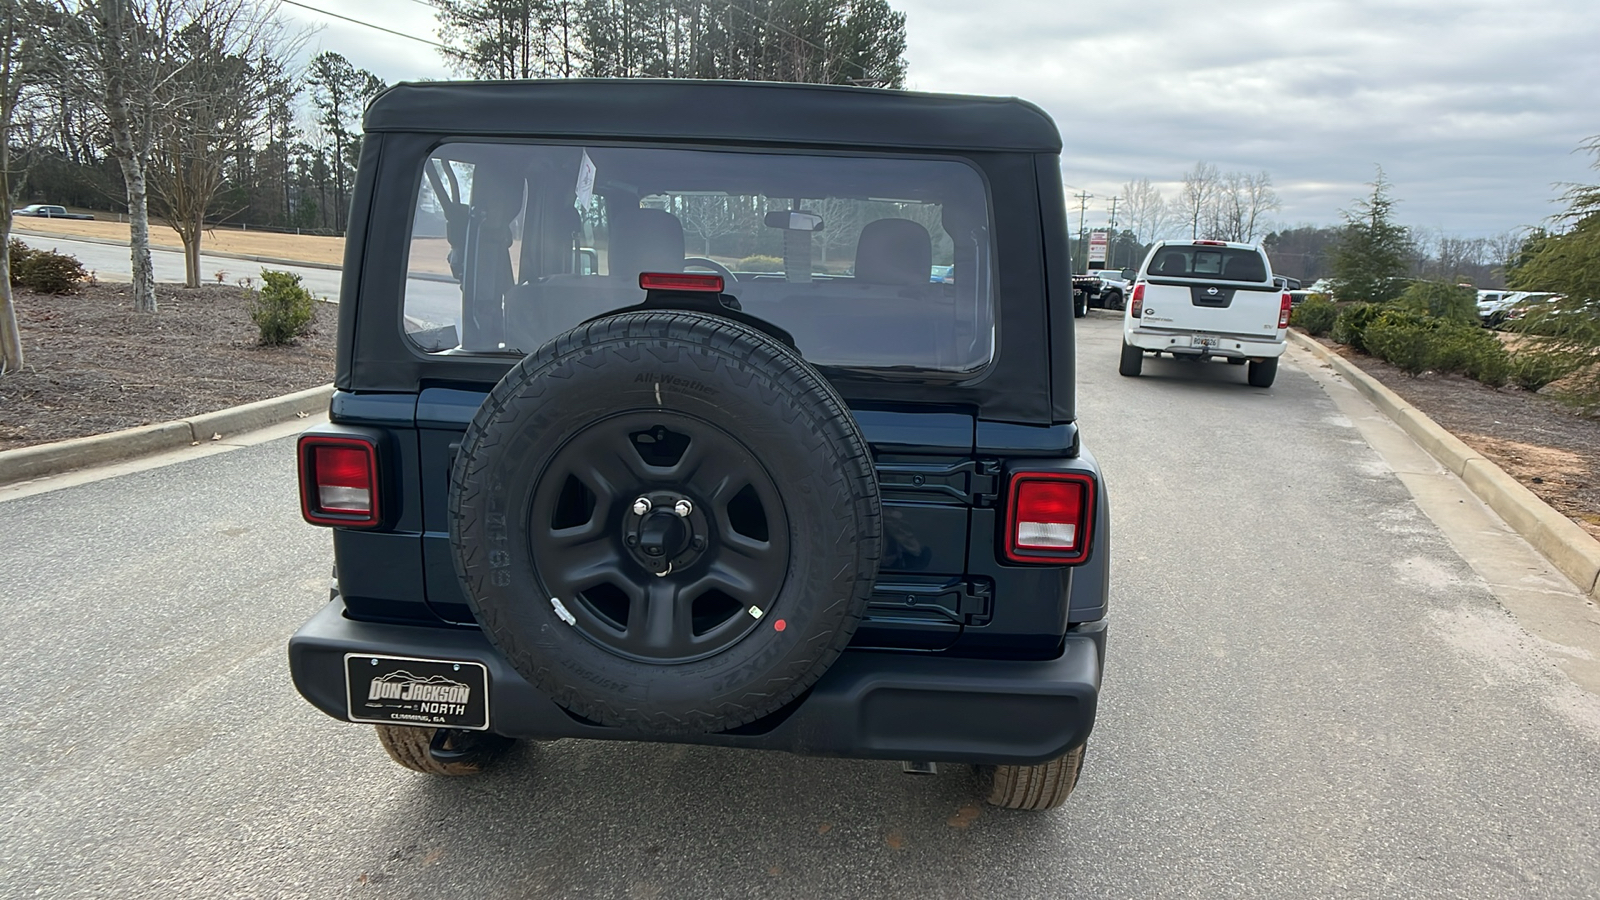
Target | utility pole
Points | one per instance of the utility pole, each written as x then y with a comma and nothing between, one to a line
1111,239
1083,205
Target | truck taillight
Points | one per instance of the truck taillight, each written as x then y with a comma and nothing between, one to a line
1284,309
1137,306
1049,517
339,481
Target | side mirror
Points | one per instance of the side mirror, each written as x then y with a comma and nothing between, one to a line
794,220
1129,275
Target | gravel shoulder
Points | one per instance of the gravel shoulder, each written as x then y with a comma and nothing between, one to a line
94,366
1550,448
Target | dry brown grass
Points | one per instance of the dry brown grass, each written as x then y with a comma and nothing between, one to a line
302,247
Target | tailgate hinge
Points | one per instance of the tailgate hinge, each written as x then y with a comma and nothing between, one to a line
986,482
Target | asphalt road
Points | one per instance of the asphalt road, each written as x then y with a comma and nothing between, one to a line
1309,694
111,262
429,299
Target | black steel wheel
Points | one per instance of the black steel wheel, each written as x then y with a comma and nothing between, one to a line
666,521
667,495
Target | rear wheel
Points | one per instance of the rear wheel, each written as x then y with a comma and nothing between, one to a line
1114,300
1045,786
457,753
1263,371
1132,361
666,521
1080,305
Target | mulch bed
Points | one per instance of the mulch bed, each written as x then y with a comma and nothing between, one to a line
93,365
1550,448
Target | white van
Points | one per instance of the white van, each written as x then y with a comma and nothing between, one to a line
1204,300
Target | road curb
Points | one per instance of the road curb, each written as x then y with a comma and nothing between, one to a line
274,260
1568,547
28,463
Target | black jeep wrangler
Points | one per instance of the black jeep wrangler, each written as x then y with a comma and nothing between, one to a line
655,421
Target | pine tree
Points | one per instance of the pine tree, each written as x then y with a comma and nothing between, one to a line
1372,255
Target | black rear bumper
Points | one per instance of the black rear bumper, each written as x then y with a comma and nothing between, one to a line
869,705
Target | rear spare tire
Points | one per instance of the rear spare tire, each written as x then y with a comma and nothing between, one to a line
666,521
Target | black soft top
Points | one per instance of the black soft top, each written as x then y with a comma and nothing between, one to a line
714,111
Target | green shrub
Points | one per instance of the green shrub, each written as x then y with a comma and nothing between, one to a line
1450,302
20,253
759,264
1315,316
1420,343
1471,351
46,271
282,309
1353,320
1534,368
1493,367
1401,338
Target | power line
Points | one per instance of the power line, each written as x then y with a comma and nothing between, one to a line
729,5
334,15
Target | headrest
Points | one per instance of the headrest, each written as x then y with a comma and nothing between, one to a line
1172,264
557,241
645,240
1244,267
894,251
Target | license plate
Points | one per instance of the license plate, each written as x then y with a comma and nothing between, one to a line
1204,340
397,690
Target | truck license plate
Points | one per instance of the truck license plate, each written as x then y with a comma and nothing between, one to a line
395,690
1204,340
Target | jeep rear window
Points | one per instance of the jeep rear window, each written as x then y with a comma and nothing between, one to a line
1220,263
869,262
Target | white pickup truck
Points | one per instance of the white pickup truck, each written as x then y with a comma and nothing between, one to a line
1201,300
48,211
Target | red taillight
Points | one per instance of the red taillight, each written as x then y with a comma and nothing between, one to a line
1049,517
680,281
1284,309
338,481
1138,300
1212,243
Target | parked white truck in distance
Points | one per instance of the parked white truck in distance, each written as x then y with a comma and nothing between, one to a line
1202,300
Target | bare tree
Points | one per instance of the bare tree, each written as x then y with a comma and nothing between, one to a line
230,57
1238,205
21,23
712,216
1197,198
121,53
1144,210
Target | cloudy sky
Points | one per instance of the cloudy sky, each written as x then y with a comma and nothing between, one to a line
1473,107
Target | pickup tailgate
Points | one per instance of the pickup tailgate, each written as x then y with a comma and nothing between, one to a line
1212,307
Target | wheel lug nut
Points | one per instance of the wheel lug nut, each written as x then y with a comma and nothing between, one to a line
683,508
633,540
641,506
699,543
